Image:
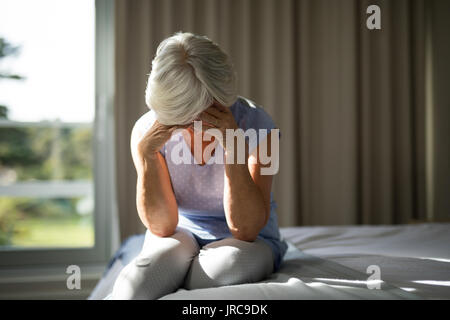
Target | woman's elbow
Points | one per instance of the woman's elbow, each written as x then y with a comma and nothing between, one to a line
160,227
244,235
162,231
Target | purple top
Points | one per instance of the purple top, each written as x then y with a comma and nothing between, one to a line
198,189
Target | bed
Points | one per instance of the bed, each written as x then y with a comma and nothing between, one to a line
338,262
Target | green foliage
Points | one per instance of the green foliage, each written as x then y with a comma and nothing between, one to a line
8,215
16,215
42,154
70,232
3,112
15,148
7,49
47,153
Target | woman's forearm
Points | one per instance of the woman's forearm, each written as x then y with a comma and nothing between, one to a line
155,200
244,205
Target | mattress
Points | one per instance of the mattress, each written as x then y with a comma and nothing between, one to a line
337,262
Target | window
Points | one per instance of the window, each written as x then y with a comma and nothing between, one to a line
56,133
47,111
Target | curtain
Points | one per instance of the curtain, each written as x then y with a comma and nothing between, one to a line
349,101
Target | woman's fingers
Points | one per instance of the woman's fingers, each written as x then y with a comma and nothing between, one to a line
214,111
181,126
175,128
222,108
209,118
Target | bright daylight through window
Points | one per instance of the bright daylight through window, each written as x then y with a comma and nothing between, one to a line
47,107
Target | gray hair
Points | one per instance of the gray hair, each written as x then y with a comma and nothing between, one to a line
188,73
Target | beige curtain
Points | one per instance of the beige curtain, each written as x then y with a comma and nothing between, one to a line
348,101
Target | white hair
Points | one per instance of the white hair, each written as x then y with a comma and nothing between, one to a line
188,73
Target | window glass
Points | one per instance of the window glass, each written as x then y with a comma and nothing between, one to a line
47,109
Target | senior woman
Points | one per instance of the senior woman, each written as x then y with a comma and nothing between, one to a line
209,223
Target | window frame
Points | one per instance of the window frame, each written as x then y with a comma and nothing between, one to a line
13,260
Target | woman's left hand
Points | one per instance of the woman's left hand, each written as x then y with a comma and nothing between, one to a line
221,118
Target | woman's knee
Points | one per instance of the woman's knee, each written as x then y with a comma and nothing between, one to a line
159,269
181,244
230,261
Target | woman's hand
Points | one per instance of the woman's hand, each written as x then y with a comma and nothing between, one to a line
156,137
221,118
155,200
246,193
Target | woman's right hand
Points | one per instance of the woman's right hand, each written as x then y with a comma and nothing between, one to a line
155,138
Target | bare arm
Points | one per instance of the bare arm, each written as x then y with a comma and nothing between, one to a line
155,201
247,197
246,192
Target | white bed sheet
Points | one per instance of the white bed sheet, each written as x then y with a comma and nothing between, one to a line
413,257
331,263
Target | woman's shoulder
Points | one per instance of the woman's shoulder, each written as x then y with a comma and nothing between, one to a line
144,123
249,114
141,126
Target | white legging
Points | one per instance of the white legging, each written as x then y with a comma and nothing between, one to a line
166,264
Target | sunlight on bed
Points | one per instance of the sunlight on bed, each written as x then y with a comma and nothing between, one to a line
435,259
409,289
368,283
434,282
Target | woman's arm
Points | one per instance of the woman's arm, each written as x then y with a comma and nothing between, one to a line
155,201
247,196
246,192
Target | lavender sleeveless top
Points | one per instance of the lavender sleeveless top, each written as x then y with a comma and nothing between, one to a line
198,189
